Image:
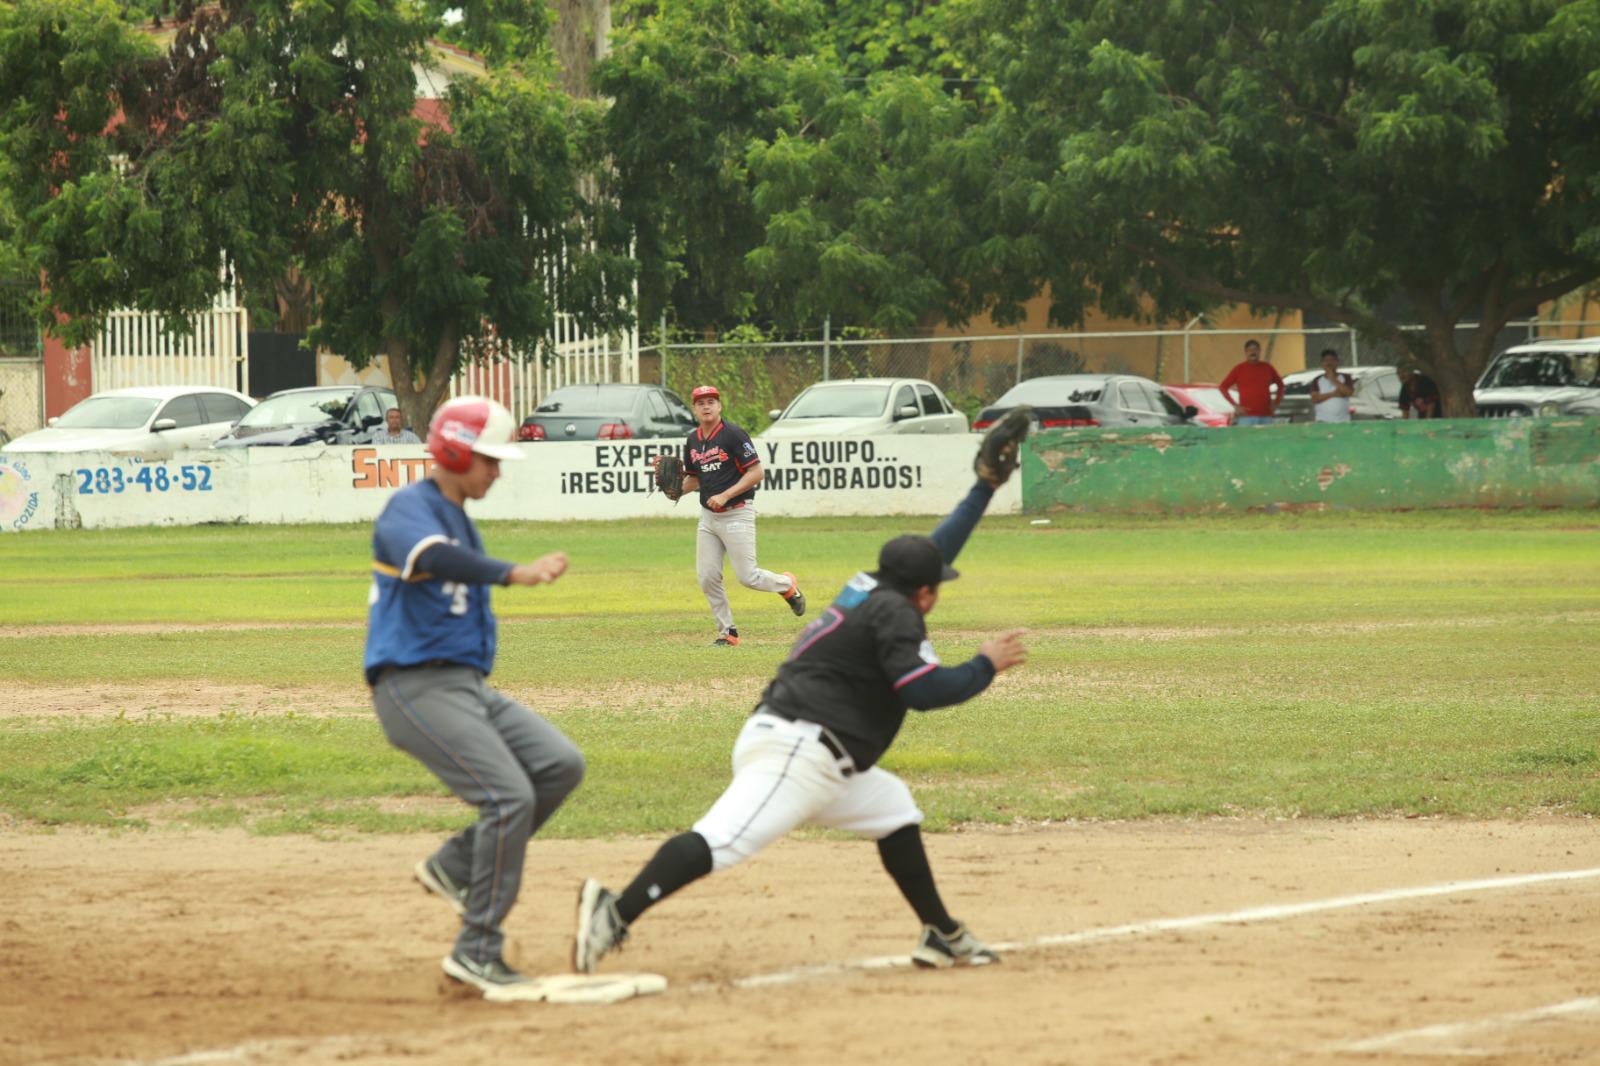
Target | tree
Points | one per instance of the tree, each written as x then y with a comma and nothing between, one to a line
777,159
1325,156
277,136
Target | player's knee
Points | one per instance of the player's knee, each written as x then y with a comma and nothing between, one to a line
567,773
514,804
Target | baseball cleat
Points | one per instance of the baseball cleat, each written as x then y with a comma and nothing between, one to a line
431,876
938,951
795,598
600,927
484,976
727,640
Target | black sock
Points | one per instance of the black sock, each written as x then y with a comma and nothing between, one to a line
684,858
907,863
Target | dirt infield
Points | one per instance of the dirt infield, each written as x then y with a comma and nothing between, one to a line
189,948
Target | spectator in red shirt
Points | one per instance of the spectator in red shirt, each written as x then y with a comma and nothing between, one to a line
1253,381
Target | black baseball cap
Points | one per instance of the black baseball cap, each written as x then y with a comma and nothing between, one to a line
911,561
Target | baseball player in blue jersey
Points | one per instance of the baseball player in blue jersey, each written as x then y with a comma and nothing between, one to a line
430,644
720,462
809,751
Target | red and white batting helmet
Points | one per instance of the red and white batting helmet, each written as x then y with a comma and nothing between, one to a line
470,424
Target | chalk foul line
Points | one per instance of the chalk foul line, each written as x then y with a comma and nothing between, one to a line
1268,913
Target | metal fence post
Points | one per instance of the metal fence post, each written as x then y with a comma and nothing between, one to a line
1019,358
663,349
1191,324
827,337
1355,349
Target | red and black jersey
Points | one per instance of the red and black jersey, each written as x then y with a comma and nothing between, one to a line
719,459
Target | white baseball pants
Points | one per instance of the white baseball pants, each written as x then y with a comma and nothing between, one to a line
784,776
730,534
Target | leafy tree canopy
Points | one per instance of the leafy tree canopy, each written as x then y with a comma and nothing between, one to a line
282,136
1325,156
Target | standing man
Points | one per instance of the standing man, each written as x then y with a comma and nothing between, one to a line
721,463
1254,383
1330,394
394,430
430,644
1419,396
809,751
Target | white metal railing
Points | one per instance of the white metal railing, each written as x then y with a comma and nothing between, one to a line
520,379
139,348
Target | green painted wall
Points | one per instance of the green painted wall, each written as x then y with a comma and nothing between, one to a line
1524,462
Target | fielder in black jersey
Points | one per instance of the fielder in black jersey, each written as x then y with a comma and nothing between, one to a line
721,463
809,752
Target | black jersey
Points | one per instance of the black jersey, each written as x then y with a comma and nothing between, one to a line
719,459
849,665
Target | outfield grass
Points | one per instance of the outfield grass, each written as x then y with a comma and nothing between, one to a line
1289,665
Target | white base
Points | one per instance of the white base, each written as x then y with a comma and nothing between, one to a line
581,988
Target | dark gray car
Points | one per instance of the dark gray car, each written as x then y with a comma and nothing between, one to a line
1068,400
608,412
329,414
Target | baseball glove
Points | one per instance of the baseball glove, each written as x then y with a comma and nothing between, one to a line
999,452
669,476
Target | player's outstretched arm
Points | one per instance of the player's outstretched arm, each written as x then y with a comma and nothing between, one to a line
541,571
945,686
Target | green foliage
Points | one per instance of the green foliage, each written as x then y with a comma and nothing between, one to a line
1331,157
283,137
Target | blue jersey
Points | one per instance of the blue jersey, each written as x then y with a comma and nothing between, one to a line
415,617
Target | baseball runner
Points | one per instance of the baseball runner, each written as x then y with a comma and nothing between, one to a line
809,751
430,644
721,463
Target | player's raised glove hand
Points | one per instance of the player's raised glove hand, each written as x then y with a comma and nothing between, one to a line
541,571
1006,650
668,476
999,452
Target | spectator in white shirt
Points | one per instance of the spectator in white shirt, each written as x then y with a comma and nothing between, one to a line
393,431
1330,394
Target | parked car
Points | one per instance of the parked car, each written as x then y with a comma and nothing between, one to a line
866,407
1068,400
1211,407
1557,377
152,419
608,412
327,414
1377,394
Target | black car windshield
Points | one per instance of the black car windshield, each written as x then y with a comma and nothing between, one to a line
589,400
1544,370
299,408
840,401
109,412
1042,392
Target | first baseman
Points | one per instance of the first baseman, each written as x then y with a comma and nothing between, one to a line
430,644
809,752
720,461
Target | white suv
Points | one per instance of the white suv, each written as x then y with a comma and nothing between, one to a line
866,407
1558,377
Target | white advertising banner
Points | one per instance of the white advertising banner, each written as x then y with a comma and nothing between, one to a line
599,480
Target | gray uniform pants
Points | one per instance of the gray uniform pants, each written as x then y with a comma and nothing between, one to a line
730,534
512,765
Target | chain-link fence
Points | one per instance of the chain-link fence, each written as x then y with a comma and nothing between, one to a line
21,397
756,376
19,332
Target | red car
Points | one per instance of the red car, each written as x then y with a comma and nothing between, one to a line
1214,408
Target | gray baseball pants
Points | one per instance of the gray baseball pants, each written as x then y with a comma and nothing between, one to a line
495,754
730,534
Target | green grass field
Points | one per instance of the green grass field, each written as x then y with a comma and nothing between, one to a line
1272,665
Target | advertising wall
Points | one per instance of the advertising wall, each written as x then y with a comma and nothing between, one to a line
1468,462
99,490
